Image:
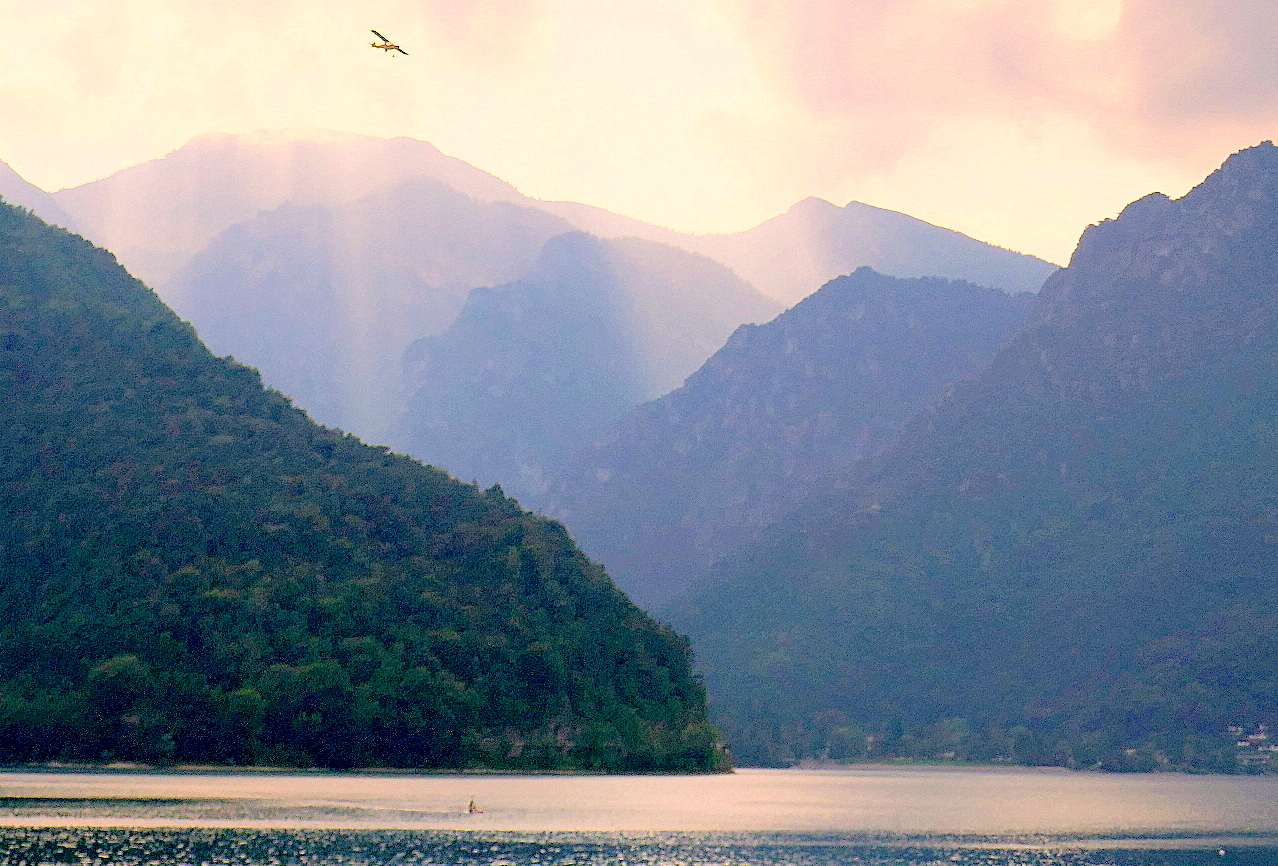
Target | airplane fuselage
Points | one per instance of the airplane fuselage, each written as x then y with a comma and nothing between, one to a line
385,44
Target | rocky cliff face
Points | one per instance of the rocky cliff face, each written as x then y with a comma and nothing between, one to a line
783,412
1159,300
1073,547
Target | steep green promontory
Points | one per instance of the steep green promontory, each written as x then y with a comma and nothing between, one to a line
193,571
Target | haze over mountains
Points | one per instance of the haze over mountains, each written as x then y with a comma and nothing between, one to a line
785,411
815,241
16,191
533,370
1069,558
901,520
156,215
325,299
320,258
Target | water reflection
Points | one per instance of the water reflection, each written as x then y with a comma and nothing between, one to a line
181,847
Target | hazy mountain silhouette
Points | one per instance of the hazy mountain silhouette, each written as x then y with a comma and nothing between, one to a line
781,413
325,298
790,255
17,191
157,215
319,257
1069,558
531,370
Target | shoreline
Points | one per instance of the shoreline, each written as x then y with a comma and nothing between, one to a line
130,767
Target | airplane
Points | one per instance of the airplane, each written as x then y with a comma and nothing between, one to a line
386,44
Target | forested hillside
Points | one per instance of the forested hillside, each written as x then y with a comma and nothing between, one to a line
1069,559
193,571
534,369
783,412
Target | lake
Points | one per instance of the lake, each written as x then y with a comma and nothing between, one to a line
880,816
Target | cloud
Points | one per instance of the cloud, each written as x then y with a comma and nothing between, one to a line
1141,71
1198,66
492,30
704,114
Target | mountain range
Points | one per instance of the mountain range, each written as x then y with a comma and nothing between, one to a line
326,299
157,215
909,518
790,255
533,370
320,258
1068,558
783,412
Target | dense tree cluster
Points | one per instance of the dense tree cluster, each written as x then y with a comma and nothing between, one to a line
193,571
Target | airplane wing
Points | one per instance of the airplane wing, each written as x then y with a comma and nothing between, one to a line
401,50
379,36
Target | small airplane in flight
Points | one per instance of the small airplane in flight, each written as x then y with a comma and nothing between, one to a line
386,44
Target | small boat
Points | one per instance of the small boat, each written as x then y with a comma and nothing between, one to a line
473,809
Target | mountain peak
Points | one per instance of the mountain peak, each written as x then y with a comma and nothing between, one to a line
1262,157
1248,177
1156,232
1079,536
813,205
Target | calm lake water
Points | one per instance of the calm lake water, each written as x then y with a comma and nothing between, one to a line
885,817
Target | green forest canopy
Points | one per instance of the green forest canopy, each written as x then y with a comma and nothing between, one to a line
193,571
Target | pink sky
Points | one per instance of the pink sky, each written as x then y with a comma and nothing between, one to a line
1016,122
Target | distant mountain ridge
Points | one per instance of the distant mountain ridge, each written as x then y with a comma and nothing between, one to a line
322,261
532,370
788,256
325,299
1066,560
780,414
17,191
156,215
320,257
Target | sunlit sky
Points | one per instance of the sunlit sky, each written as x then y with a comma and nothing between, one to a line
1016,122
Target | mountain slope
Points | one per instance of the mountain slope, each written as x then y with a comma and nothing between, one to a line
321,261
194,571
324,299
1068,559
157,215
789,256
15,190
531,370
781,413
